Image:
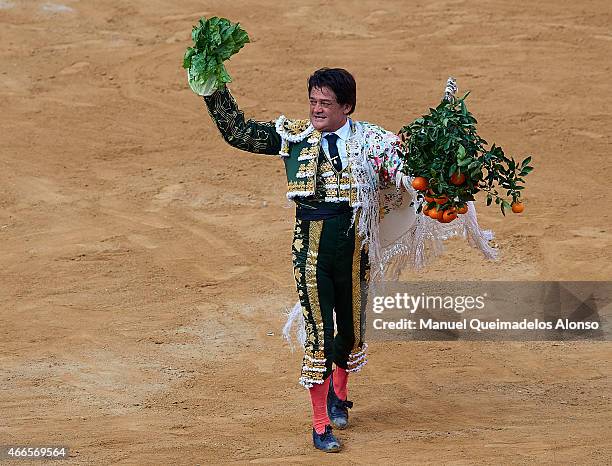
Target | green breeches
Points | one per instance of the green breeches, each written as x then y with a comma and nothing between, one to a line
331,273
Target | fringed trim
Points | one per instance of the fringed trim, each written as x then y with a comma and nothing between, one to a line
327,174
313,368
336,199
304,174
292,194
478,238
409,250
315,360
358,354
309,383
335,186
306,157
357,360
425,241
367,193
357,368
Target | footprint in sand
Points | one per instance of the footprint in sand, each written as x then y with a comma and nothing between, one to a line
166,196
588,134
144,241
75,68
182,36
35,190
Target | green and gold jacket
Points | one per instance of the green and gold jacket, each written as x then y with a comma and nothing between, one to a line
372,151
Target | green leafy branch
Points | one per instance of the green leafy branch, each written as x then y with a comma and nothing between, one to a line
445,148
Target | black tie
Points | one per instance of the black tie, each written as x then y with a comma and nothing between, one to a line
333,151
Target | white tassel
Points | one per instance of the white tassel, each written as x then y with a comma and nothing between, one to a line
450,90
295,317
425,241
367,196
476,237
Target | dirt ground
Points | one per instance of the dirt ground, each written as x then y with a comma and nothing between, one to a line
144,262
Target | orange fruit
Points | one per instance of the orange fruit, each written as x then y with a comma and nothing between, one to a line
463,209
429,198
449,216
457,178
443,199
420,183
440,215
433,213
517,207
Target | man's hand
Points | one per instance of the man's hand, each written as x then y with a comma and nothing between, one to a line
403,181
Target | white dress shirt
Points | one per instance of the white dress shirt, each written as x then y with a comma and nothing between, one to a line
344,132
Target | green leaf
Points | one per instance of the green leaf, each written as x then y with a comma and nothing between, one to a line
224,77
190,52
215,41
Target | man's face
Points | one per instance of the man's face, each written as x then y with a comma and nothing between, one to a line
326,114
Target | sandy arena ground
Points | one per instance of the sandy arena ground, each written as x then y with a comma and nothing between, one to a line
144,261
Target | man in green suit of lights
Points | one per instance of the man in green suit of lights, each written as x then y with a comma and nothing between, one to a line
336,169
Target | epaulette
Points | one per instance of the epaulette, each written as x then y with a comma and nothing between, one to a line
293,130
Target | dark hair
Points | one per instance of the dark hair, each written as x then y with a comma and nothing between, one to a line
338,80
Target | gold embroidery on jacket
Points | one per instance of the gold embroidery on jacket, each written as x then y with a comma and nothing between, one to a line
308,153
307,169
295,127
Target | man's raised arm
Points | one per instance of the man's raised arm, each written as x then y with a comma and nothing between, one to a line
251,136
